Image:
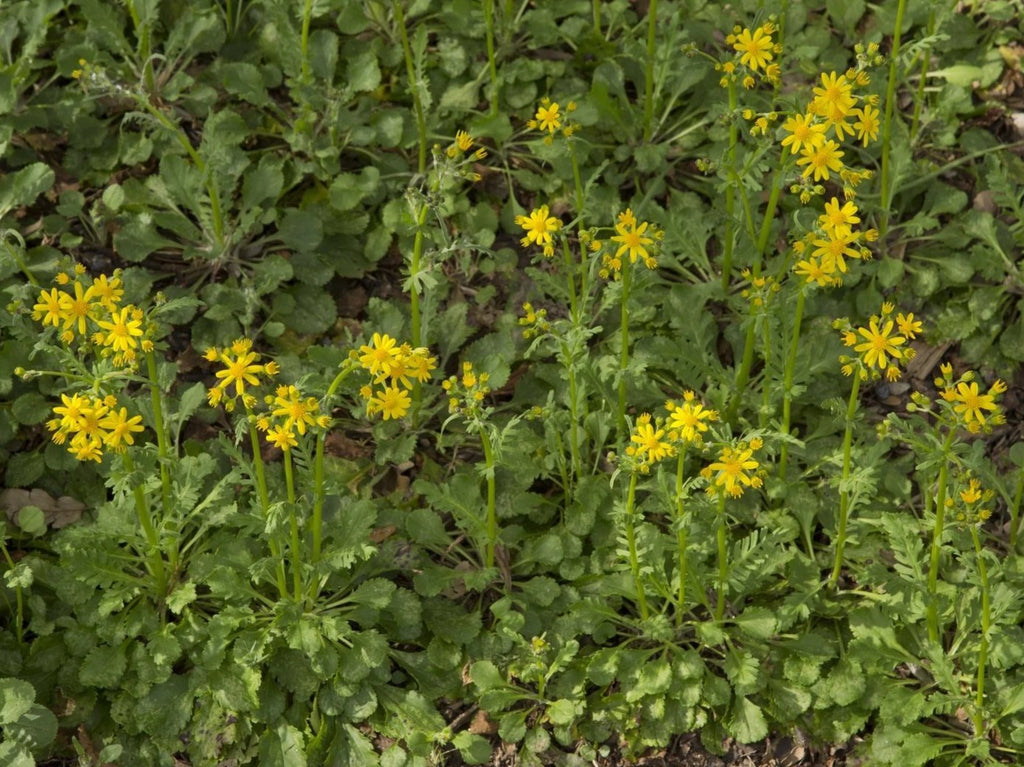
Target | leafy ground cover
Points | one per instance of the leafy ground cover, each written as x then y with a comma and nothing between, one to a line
570,383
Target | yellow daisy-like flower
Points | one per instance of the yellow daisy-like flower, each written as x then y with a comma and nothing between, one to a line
631,238
540,225
833,252
689,420
242,370
833,99
392,402
50,308
820,160
297,411
281,437
120,428
839,218
908,326
648,443
867,123
108,291
379,356
547,117
755,47
77,308
734,471
880,344
972,406
122,330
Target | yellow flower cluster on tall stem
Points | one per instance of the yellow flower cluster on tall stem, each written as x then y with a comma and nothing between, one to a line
881,348
735,470
393,369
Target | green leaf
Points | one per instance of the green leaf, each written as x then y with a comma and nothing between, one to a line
376,593
362,72
349,189
474,749
300,229
746,723
486,676
31,408
314,311
23,469
103,666
757,622
31,520
183,595
16,698
37,727
24,186
282,747
244,80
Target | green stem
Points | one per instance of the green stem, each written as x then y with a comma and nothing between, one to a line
919,99
1015,510
491,61
596,7
261,488
844,494
16,253
652,28
307,16
890,105
293,524
145,52
680,538
574,442
730,192
155,558
492,514
414,270
936,550
410,71
319,492
570,277
986,622
634,560
216,215
787,382
19,616
627,272
163,450
723,560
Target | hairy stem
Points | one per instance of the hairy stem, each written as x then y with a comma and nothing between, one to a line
844,493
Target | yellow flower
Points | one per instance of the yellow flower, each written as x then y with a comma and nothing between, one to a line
804,131
282,438
821,159
879,345
631,238
391,402
77,308
649,445
463,140
122,330
108,291
838,218
120,428
908,326
547,117
756,48
71,411
833,100
296,411
380,355
539,226
241,370
690,419
971,405
50,308
734,470
867,123
421,363
832,253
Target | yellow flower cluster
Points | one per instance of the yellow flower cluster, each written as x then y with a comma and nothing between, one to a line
540,227
242,368
881,345
548,119
289,413
635,239
833,241
972,408
756,51
735,470
648,443
761,288
974,499
393,367
466,392
687,421
461,157
89,311
817,134
534,321
89,424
